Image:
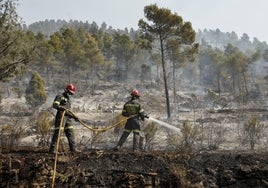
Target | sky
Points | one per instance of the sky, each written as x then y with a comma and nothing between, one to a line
240,16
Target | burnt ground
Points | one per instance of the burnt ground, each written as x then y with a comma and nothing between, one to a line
33,167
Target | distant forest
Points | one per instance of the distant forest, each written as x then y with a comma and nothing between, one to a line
215,38
161,53
214,45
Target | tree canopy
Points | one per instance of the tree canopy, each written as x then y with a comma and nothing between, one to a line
14,52
165,26
35,94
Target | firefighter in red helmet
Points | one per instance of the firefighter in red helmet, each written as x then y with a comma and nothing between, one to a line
62,102
133,109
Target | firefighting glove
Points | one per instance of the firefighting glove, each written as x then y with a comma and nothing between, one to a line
142,116
61,108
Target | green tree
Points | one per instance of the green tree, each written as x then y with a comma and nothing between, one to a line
92,59
45,54
124,50
165,26
70,54
238,63
107,46
14,52
57,48
204,63
218,62
156,58
35,94
179,55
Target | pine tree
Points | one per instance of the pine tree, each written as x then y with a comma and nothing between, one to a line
164,26
35,92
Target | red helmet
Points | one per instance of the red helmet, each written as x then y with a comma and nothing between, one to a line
71,88
135,93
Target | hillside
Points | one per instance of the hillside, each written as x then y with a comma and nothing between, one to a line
213,157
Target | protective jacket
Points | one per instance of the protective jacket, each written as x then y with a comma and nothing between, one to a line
62,102
132,108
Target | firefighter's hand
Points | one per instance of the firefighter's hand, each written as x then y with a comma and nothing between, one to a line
61,108
146,116
142,116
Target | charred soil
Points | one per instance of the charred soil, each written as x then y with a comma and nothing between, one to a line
33,167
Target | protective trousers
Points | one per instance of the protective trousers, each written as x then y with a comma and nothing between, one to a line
132,125
68,130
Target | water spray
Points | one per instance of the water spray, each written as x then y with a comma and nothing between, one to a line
165,124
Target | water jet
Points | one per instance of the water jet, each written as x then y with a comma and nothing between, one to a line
171,127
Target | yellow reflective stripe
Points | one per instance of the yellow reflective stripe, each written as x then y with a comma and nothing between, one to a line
126,130
56,102
64,128
136,130
57,128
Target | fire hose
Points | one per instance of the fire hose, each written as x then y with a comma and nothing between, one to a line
57,148
101,129
85,125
